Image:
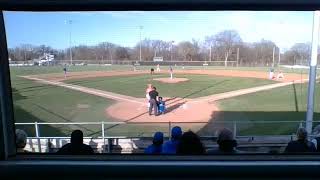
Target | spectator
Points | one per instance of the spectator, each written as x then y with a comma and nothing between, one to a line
316,140
76,147
190,144
21,141
170,147
156,146
226,143
302,144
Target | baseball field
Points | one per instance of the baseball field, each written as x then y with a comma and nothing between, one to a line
200,99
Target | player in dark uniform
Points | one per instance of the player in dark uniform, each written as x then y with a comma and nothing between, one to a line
151,71
153,101
65,71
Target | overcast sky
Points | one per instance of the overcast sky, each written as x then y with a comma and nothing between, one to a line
284,28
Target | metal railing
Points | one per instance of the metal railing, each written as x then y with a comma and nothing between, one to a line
233,125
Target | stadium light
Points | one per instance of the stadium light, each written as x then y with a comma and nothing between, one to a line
171,49
210,52
140,27
70,30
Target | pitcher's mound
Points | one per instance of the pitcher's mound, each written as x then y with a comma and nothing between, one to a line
173,80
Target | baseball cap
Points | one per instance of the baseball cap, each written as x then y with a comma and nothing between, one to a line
176,132
158,137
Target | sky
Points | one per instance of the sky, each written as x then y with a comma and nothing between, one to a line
122,27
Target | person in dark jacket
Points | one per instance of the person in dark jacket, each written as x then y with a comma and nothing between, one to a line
153,101
156,146
316,140
76,147
227,144
302,145
190,144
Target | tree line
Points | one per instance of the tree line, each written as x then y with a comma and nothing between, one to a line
223,46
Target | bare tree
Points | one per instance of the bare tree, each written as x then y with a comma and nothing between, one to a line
226,42
302,52
264,52
189,50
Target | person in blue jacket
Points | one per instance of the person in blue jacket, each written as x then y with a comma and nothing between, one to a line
170,147
156,146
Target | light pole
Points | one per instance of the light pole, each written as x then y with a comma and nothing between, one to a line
237,57
273,56
171,49
70,48
210,52
140,27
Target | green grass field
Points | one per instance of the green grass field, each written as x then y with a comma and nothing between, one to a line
281,104
44,103
197,86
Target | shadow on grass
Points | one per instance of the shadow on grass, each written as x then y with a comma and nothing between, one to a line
247,122
65,119
22,116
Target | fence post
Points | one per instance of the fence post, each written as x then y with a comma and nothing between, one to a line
38,135
169,130
234,129
102,131
109,145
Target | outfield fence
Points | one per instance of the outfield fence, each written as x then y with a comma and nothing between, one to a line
105,142
148,63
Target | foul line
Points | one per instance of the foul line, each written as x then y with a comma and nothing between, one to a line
92,91
240,92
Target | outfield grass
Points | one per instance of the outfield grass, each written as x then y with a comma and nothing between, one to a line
197,86
281,104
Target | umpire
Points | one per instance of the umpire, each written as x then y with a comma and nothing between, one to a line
153,101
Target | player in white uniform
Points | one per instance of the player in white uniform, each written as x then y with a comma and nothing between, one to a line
280,75
149,88
158,68
271,73
171,72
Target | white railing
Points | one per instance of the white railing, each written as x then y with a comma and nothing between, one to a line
103,137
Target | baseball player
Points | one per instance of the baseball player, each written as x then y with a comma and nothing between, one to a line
158,68
280,75
161,106
149,88
65,71
271,73
151,71
171,72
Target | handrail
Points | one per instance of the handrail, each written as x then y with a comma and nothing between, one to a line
155,122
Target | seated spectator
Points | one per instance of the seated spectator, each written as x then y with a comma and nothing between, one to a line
190,144
156,146
302,144
21,141
226,143
76,147
316,140
170,147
